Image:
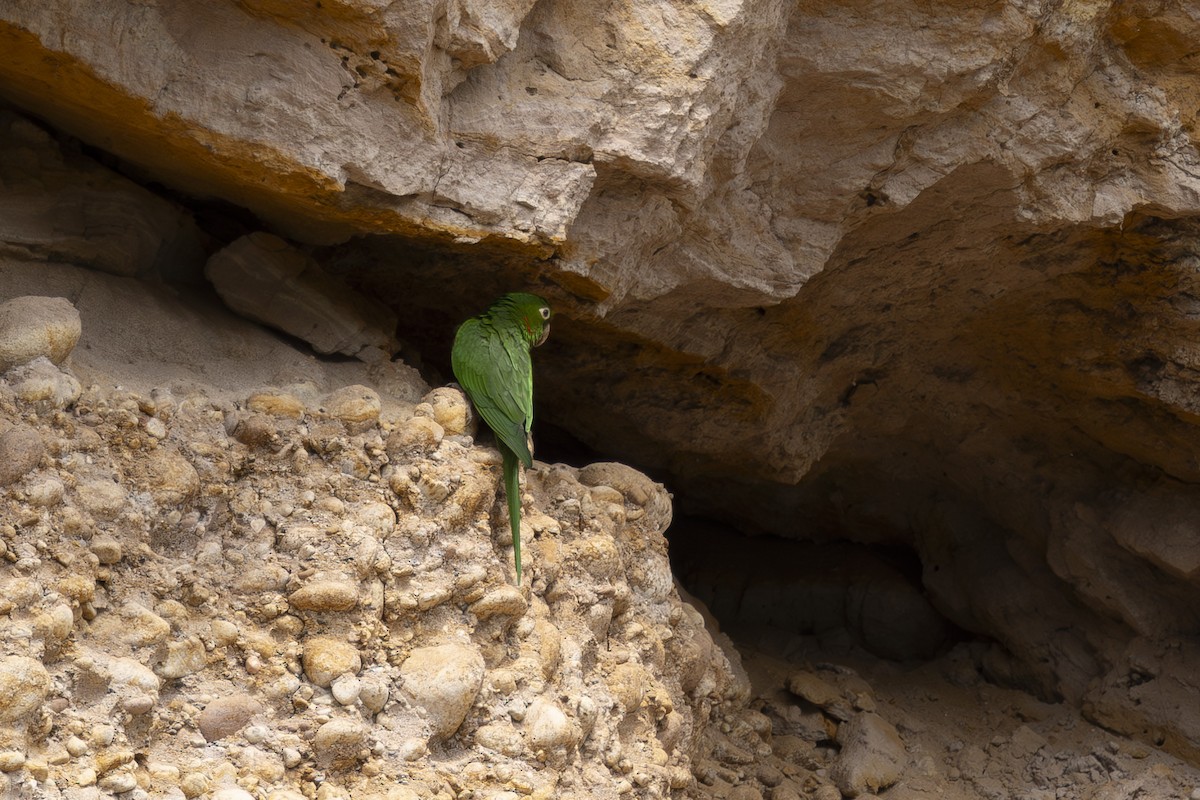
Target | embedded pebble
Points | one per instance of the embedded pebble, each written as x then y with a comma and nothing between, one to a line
276,403
21,449
117,782
379,518
223,632
46,493
337,743
37,768
270,578
506,600
414,436
135,683
628,683
11,760
112,759
155,427
139,626
225,716
403,793
373,693
327,595
170,478
106,549
54,625
194,784
40,381
37,326
412,749
253,430
102,735
346,688
183,658
325,658
104,499
500,737
548,726
24,683
452,410
231,793
633,485
444,681
786,792
357,407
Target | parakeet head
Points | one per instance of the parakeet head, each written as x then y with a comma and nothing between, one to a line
530,312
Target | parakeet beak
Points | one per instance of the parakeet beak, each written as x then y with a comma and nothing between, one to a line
545,335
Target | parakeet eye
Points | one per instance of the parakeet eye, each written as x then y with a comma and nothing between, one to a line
545,312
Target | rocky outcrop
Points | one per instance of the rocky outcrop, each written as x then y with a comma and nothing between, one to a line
923,278
188,609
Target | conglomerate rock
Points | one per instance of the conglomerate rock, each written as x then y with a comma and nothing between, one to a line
315,613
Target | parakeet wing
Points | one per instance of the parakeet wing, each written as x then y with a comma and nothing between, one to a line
497,373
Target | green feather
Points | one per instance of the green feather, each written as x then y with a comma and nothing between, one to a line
491,361
512,492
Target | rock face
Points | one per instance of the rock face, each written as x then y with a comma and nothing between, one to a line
261,277
920,277
314,611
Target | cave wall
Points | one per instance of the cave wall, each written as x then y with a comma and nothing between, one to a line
890,272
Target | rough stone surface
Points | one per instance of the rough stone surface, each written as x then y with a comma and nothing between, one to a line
325,595
59,205
326,658
443,681
264,278
225,716
1148,694
872,757
21,449
24,683
33,327
44,384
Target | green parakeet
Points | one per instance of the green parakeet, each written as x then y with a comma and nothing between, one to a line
491,361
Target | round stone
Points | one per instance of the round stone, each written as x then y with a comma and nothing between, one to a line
21,449
24,684
444,681
339,742
327,595
325,658
226,716
37,326
357,407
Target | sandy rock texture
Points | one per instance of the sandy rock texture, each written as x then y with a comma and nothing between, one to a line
905,274
322,611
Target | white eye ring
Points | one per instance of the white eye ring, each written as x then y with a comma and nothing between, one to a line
545,312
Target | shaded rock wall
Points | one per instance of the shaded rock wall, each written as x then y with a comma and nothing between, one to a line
887,272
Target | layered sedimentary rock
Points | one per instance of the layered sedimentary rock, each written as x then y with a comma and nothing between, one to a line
889,272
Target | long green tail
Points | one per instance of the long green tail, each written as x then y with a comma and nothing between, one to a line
512,491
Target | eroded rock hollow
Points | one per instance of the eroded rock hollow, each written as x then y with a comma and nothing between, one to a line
918,276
